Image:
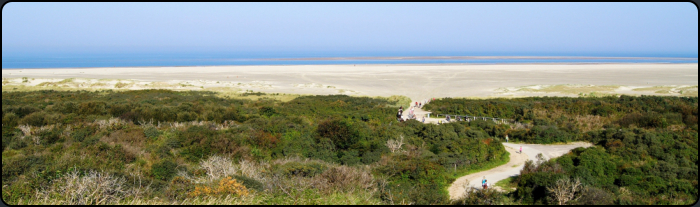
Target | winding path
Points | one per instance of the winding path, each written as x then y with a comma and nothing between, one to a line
512,168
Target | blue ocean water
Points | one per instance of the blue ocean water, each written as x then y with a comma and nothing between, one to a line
81,60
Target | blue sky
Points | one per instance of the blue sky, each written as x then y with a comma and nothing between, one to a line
648,29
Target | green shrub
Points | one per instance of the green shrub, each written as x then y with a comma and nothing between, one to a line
163,170
350,157
482,197
35,119
250,183
66,107
308,169
10,120
118,110
22,111
340,132
178,188
151,132
92,108
186,117
80,134
49,137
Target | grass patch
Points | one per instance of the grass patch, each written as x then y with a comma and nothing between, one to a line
569,89
64,81
507,184
400,100
121,85
478,168
687,91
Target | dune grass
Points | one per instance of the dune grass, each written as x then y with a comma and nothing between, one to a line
507,184
469,170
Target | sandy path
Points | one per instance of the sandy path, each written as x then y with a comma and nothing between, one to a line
512,168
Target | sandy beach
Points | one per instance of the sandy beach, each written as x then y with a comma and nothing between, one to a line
414,81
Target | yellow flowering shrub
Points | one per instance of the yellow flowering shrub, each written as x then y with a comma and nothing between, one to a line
227,186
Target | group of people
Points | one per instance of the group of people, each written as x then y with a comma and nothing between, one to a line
398,115
484,183
411,115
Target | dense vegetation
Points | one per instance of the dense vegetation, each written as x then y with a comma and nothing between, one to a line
195,147
646,147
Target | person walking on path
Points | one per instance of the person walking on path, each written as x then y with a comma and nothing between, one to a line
483,181
521,149
506,138
424,119
486,184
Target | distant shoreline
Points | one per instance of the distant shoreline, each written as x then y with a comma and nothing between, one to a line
385,64
483,57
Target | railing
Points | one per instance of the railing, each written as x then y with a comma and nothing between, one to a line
473,118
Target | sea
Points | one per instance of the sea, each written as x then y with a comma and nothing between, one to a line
165,59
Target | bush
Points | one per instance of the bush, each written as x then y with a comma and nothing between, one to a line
80,134
340,132
250,183
151,132
481,197
594,196
227,186
118,110
51,136
186,116
346,178
10,119
95,188
35,119
22,110
163,170
66,107
179,188
92,108
307,169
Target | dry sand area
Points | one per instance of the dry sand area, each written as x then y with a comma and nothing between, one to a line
414,81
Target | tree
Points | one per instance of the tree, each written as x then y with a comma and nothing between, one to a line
564,190
395,145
